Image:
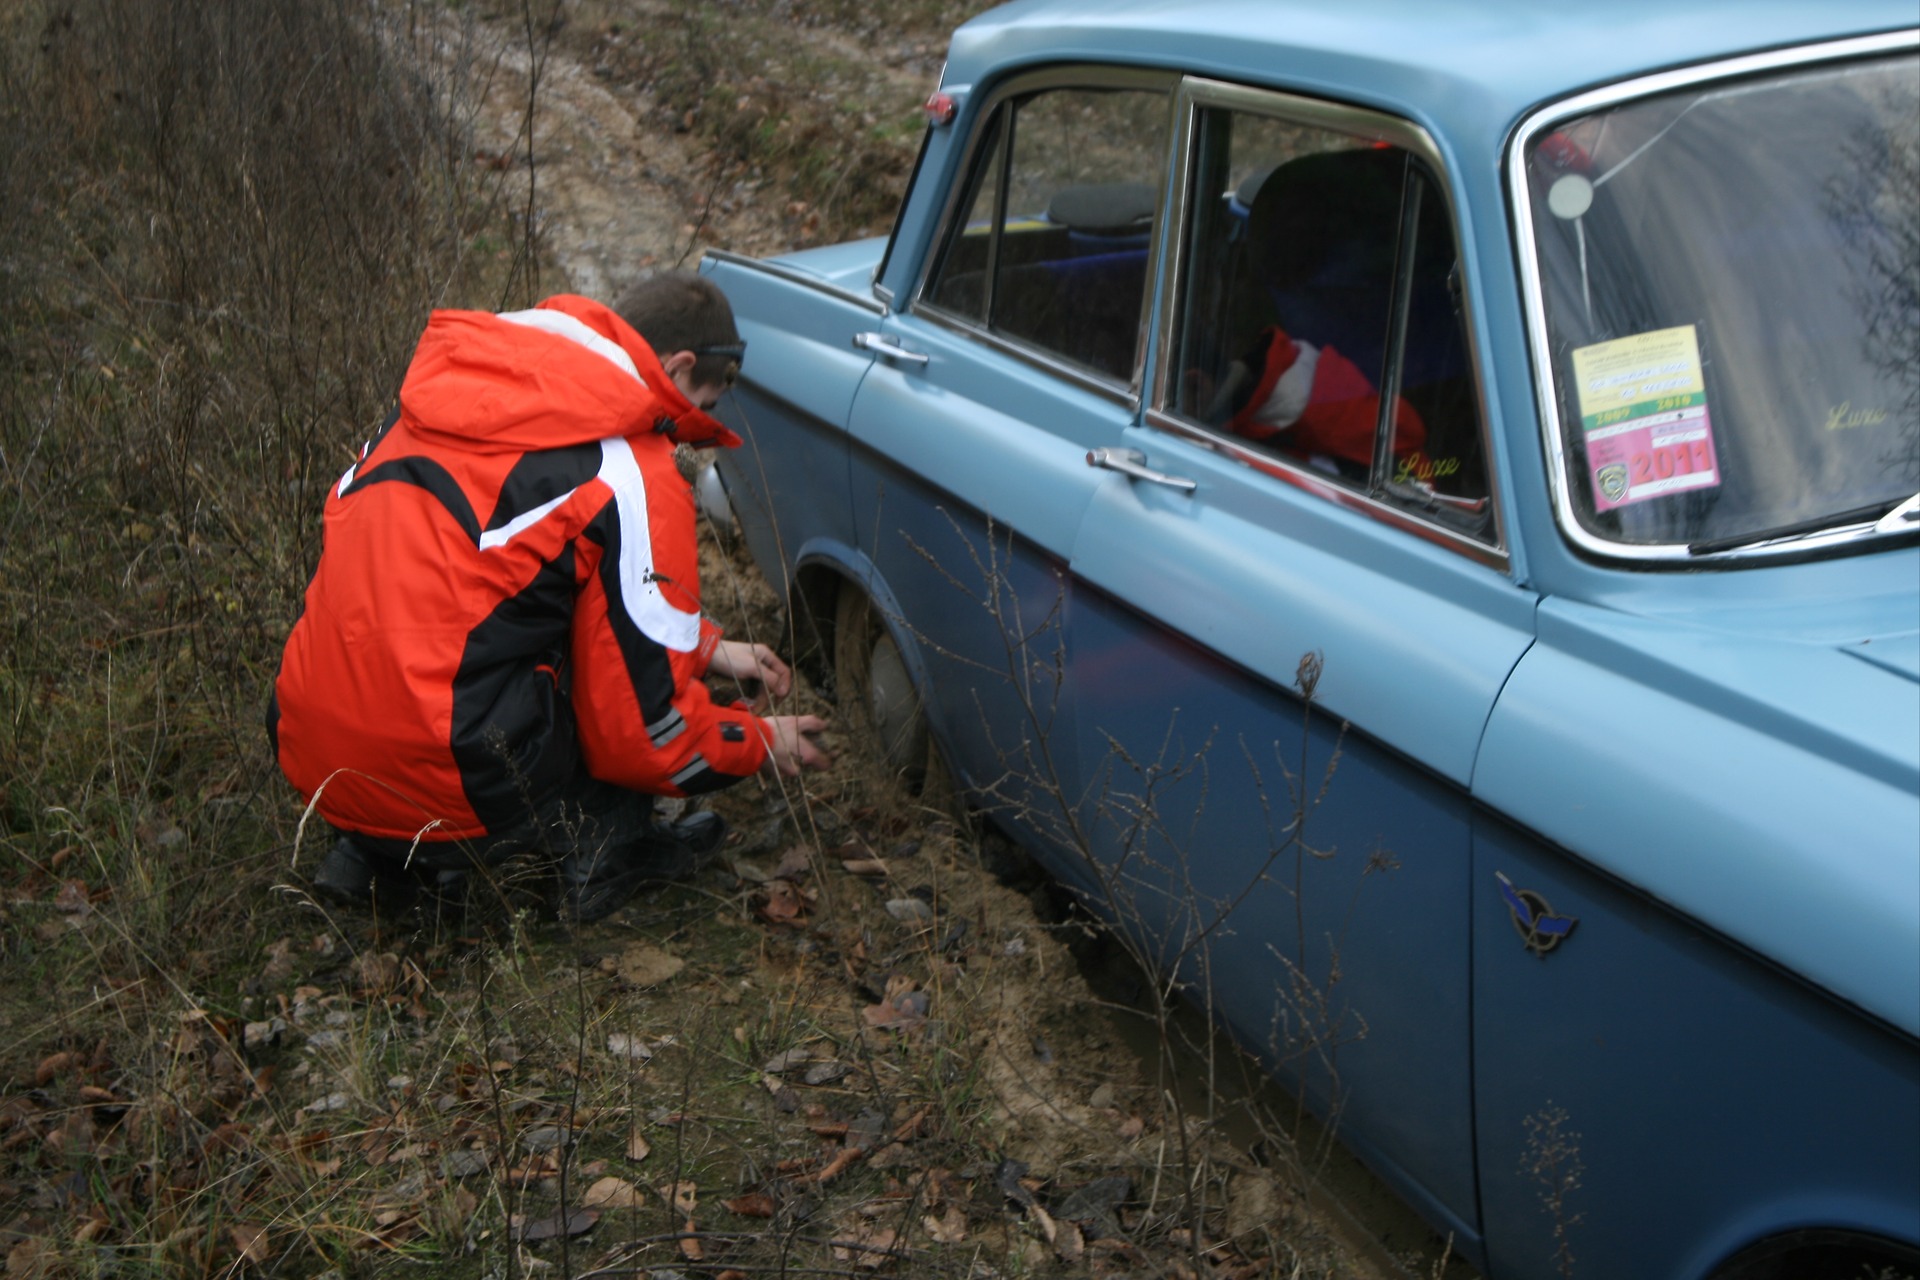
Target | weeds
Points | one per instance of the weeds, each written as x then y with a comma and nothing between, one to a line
226,222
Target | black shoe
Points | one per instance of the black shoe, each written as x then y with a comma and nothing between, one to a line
349,876
597,886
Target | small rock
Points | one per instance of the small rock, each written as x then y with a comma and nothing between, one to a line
544,1138
464,1163
825,1072
258,1034
909,910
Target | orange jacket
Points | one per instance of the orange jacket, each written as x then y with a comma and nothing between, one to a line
509,588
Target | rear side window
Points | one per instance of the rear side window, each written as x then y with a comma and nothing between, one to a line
1050,240
1319,318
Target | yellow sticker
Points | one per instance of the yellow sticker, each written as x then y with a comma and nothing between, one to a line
1632,377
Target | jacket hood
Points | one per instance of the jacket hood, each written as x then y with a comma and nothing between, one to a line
568,372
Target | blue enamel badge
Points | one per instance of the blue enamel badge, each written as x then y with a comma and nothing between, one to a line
1533,918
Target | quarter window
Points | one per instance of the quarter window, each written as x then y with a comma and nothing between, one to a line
1319,319
1051,243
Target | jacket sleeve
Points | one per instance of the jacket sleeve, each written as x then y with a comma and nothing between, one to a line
640,646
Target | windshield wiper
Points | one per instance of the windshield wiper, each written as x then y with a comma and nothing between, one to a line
1886,517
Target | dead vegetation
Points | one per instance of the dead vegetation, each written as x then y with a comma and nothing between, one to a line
848,1052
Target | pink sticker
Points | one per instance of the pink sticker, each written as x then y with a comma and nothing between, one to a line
1651,457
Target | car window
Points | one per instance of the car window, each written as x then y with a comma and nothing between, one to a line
1306,251
1728,277
1050,241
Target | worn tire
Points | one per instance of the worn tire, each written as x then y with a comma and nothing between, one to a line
874,690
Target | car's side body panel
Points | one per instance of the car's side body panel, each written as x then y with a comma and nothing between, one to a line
788,482
1766,786
969,476
1307,881
1759,1105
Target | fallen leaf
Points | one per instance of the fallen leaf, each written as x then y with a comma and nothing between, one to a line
783,905
552,1225
684,1196
633,1048
909,910
73,898
865,867
613,1193
754,1204
642,964
795,863
52,1066
377,972
279,964
949,1228
839,1164
637,1148
903,1008
871,1247
690,1247
33,1256
1068,1244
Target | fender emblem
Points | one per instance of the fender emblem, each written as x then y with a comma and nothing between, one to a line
1533,918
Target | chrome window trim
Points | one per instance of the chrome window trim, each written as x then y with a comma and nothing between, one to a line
1196,94
1036,357
1526,255
789,274
881,291
1062,76
1310,481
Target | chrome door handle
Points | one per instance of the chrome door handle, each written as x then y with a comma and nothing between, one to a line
881,345
1132,462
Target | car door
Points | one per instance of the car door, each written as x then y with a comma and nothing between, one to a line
1292,614
799,329
1019,351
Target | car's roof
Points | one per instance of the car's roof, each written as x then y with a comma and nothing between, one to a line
1459,63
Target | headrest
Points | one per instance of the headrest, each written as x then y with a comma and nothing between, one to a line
1104,208
1312,207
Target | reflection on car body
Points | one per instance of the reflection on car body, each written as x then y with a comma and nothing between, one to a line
1568,430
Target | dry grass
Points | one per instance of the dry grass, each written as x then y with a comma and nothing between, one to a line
848,1051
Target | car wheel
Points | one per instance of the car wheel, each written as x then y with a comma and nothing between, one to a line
875,691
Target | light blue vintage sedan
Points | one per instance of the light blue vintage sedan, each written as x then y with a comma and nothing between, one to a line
1414,510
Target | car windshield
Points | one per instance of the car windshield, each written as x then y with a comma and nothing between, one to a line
1731,281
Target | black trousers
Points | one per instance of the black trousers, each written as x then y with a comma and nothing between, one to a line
578,825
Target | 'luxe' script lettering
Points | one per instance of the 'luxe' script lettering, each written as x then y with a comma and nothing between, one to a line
1418,466
1844,415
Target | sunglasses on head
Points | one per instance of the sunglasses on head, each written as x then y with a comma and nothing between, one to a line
736,351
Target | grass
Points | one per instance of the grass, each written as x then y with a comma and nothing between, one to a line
226,221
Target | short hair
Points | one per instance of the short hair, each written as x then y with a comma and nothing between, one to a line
682,311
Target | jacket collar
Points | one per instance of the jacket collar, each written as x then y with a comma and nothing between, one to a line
675,416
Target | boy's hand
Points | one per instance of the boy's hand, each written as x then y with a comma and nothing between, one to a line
753,663
790,744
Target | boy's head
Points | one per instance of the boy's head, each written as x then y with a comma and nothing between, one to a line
689,324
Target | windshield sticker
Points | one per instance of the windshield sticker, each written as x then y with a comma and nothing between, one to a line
1643,408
